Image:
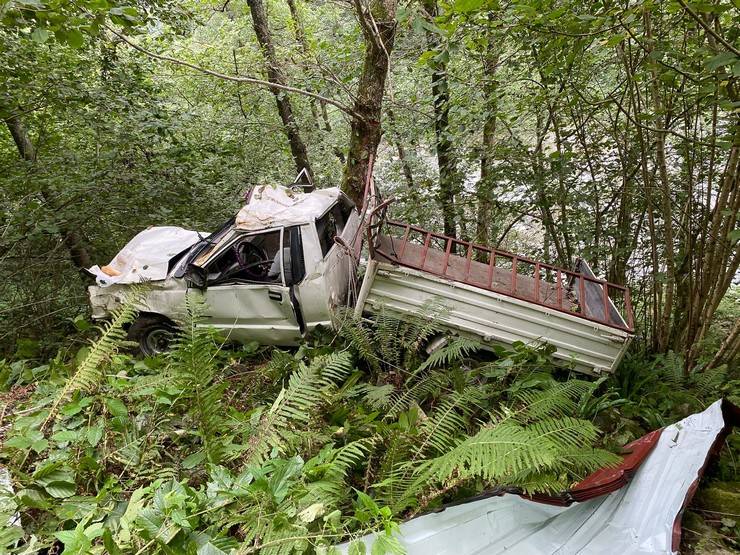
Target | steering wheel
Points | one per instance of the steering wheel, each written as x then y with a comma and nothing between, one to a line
252,260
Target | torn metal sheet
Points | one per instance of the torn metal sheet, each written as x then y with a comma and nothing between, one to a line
641,517
274,206
146,256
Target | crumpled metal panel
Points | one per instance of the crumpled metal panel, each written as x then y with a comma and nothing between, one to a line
275,206
636,519
145,257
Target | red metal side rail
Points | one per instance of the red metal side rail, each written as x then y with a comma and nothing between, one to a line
378,221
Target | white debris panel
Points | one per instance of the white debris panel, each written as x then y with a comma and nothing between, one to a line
275,206
146,257
639,518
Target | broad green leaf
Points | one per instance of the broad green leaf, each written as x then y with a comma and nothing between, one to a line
40,35
75,38
193,460
65,436
116,407
95,433
61,490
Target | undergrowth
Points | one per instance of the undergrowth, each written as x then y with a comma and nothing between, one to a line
213,451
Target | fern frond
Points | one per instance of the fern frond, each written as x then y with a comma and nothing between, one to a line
359,337
420,388
89,373
295,404
556,400
457,349
192,363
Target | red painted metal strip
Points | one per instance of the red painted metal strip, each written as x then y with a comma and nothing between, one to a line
560,290
424,252
605,480
469,259
405,241
448,248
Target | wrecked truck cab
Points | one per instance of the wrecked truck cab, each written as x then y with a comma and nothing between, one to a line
271,275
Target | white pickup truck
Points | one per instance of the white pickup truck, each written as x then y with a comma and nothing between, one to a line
281,267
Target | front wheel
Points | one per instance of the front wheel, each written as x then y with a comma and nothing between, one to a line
153,334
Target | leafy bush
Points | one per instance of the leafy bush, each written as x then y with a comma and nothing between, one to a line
210,450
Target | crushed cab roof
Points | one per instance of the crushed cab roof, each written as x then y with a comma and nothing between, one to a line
275,206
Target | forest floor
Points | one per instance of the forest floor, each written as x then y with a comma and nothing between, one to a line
101,438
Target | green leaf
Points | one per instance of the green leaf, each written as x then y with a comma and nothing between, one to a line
33,499
191,461
60,490
116,407
40,35
18,442
65,436
95,433
723,59
110,546
81,322
75,38
465,6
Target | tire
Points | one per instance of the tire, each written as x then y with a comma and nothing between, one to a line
153,334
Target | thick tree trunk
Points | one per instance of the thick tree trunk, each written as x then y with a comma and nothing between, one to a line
275,74
448,177
378,23
72,239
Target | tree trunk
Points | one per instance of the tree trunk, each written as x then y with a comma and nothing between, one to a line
448,178
485,185
729,349
275,74
365,129
405,165
72,239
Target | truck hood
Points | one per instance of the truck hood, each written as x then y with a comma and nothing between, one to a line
146,257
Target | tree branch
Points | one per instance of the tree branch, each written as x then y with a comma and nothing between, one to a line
708,29
234,78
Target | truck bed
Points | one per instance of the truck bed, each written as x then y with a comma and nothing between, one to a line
476,273
496,296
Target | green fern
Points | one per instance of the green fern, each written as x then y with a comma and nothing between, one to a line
89,373
193,365
457,349
295,404
533,445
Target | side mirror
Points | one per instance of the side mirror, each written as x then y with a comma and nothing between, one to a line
195,276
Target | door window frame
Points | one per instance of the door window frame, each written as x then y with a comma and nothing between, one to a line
239,236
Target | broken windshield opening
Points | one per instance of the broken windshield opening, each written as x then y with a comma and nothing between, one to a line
250,259
332,224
